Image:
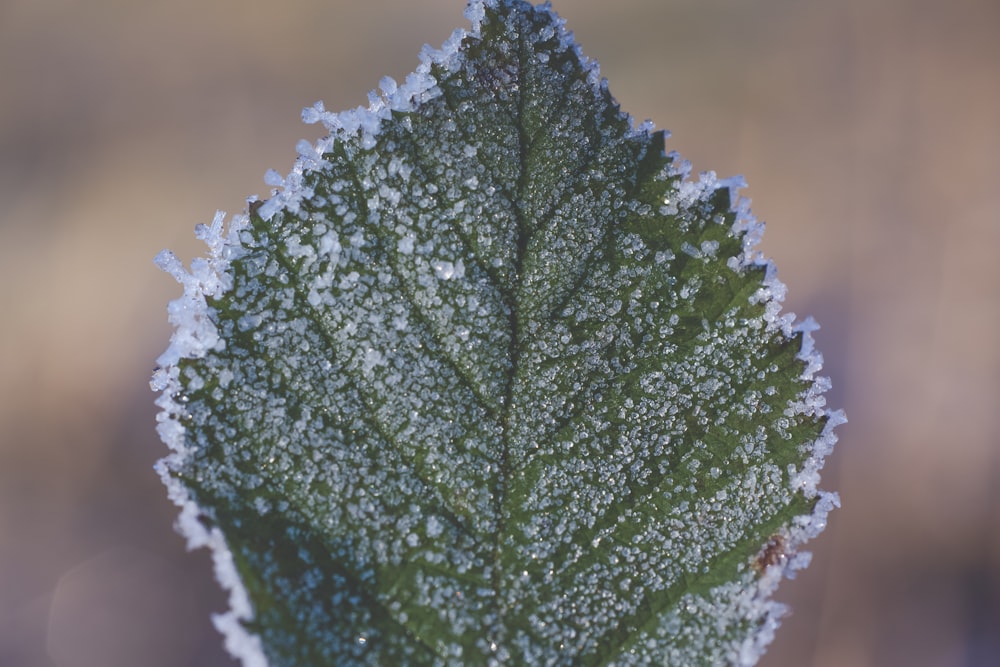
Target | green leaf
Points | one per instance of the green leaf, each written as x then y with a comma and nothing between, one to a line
489,380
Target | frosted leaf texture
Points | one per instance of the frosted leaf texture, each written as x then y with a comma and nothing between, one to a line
490,380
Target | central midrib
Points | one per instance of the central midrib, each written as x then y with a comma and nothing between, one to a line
511,301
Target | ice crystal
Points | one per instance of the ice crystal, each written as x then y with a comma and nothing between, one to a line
489,379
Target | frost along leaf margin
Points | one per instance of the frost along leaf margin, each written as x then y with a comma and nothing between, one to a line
490,380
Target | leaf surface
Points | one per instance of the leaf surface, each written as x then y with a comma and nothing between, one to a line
489,380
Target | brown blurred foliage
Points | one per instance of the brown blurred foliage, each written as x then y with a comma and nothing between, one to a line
869,133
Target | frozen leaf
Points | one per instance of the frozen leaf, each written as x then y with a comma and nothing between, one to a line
490,380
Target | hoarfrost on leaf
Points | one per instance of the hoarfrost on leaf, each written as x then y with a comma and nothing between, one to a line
490,380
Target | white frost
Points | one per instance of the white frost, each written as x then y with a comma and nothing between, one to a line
445,270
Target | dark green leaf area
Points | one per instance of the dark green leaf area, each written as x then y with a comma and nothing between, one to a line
494,389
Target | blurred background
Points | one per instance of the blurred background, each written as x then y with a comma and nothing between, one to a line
869,133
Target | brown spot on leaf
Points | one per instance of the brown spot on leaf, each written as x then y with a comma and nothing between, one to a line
773,553
254,207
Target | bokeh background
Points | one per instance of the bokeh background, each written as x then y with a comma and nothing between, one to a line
869,133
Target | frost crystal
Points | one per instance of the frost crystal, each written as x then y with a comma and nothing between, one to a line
490,380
